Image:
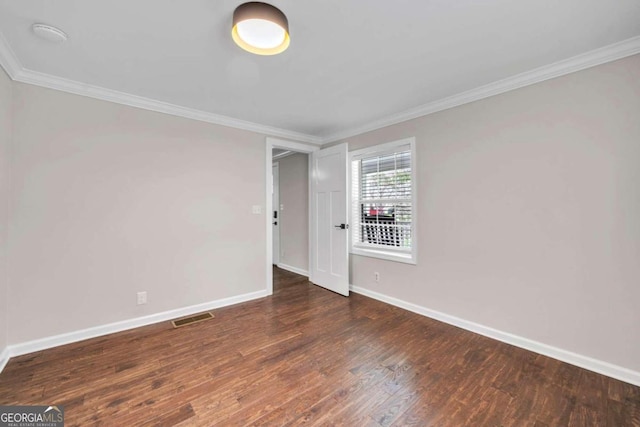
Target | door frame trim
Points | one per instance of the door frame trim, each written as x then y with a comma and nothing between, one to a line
299,147
275,166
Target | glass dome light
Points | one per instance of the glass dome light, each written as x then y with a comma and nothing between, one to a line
260,28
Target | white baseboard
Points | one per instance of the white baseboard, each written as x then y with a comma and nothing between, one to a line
4,358
604,368
294,269
71,337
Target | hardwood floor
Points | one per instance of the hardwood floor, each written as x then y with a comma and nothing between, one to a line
308,356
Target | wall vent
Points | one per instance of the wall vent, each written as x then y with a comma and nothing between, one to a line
191,319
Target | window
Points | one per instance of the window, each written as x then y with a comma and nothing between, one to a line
383,208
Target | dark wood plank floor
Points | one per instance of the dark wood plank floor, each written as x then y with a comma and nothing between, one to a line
308,356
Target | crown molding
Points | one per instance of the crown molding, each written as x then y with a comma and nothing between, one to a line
8,59
17,72
97,92
571,65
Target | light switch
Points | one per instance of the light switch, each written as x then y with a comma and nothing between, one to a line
281,207
256,209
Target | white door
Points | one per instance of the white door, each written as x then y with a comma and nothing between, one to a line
329,234
275,214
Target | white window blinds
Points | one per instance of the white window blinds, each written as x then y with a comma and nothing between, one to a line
382,200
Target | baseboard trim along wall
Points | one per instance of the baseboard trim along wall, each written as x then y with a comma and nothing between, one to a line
4,358
604,368
97,331
294,269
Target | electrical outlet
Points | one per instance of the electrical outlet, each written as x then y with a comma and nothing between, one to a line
376,277
142,297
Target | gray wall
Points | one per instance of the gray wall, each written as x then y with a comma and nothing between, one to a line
110,200
529,213
294,195
5,140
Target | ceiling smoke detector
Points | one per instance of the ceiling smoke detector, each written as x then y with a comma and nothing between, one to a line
49,33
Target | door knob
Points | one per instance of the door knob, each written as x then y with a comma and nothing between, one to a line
275,222
342,226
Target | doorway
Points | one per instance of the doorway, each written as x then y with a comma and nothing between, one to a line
284,148
326,208
291,211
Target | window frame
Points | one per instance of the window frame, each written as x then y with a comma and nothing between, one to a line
408,257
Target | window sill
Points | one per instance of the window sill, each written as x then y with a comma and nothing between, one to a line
406,258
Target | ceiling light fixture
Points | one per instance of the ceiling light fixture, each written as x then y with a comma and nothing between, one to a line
49,33
260,28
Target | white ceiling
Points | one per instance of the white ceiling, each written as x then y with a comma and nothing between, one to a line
353,65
